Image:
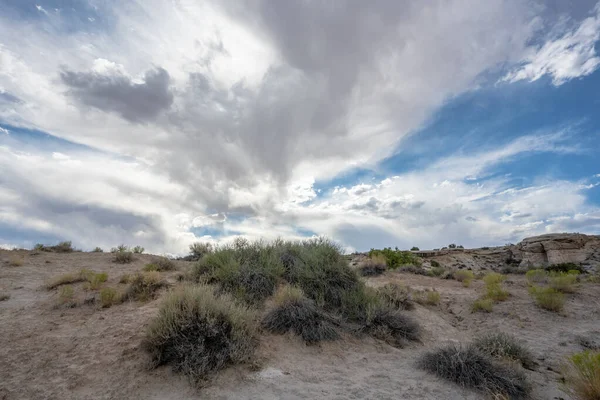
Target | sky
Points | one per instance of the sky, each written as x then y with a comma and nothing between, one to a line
165,122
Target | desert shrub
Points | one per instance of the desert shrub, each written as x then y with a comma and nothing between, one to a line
95,280
15,261
4,296
548,298
582,375
392,326
199,333
63,247
483,305
468,367
427,297
412,269
138,249
435,264
373,266
395,258
294,312
414,248
109,297
97,250
120,249
164,264
493,278
564,282
536,276
464,276
495,292
504,346
143,286
124,278
397,296
437,271
198,250
66,297
150,267
565,267
123,257
39,247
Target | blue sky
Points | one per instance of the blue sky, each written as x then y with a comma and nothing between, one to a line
161,123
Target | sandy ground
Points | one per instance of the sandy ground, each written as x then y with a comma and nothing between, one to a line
91,353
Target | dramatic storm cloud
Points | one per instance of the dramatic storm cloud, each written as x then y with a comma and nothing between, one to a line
375,123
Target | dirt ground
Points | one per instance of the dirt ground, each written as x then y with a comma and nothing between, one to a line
91,353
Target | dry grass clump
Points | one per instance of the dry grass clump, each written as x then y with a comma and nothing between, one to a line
392,326
4,296
582,375
95,280
427,297
65,279
548,298
493,278
66,297
495,292
468,367
483,305
125,278
464,276
295,313
199,333
373,266
160,264
397,296
504,346
15,261
143,286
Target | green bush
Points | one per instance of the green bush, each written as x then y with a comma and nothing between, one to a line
483,305
496,293
97,250
143,286
373,266
548,298
199,333
493,278
565,267
437,271
396,258
138,249
582,375
414,248
123,257
564,282
109,297
198,250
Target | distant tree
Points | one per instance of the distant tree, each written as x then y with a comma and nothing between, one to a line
452,246
414,248
460,246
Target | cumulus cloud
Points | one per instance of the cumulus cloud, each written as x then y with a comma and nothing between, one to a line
569,56
206,114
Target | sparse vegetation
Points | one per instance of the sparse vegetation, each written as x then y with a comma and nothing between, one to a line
564,282
4,296
395,258
65,279
294,312
548,298
150,267
95,280
582,375
138,249
124,278
109,297
437,271
504,346
66,297
199,333
565,267
123,257
373,266
199,250
427,297
464,276
97,250
120,249
536,276
392,326
493,278
143,286
483,305
396,296
15,261
495,292
468,367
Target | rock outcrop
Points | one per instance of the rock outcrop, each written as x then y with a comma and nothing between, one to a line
557,248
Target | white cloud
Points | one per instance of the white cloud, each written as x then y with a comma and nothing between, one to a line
4,131
204,111
569,56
